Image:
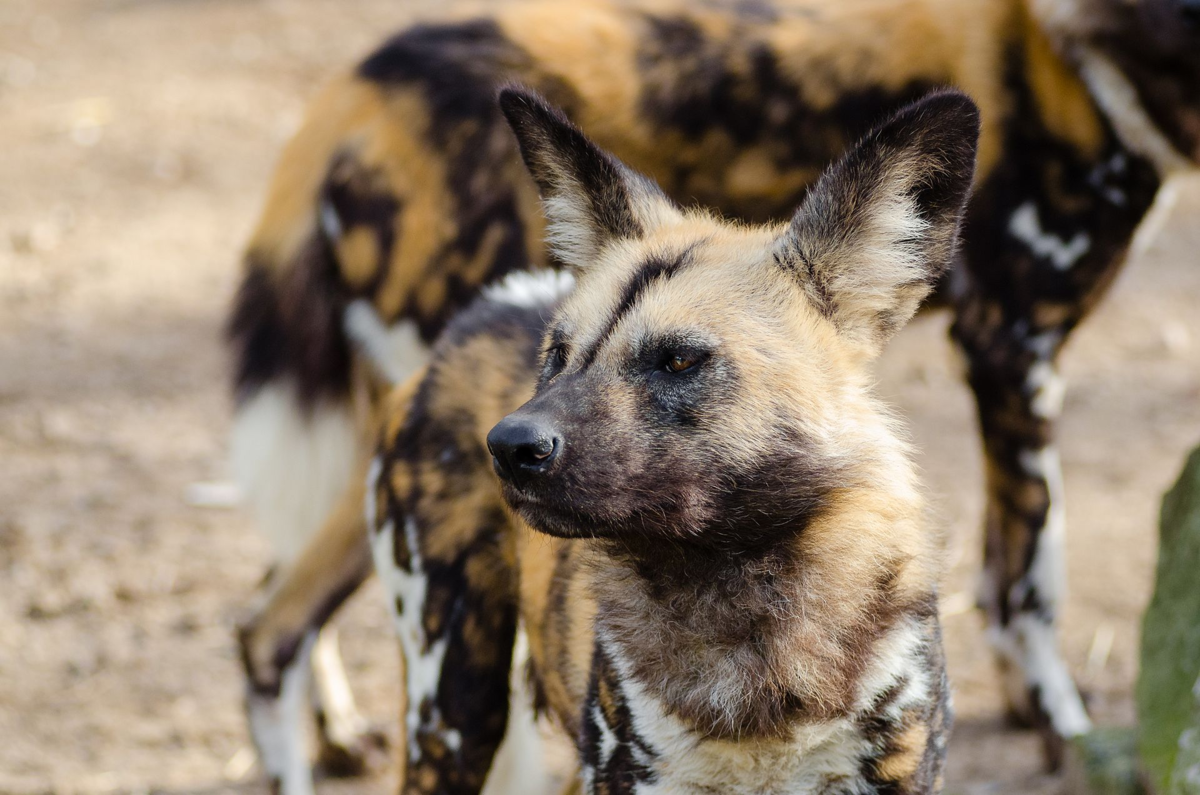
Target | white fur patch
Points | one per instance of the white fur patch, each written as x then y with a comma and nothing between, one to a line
1047,389
896,656
1026,226
519,765
331,692
529,289
570,231
395,351
279,729
370,507
1031,648
331,222
608,740
1116,165
1047,572
1029,642
687,763
423,666
292,466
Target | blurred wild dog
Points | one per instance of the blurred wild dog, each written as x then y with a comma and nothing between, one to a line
403,194
675,479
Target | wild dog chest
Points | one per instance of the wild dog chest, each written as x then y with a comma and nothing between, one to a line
632,738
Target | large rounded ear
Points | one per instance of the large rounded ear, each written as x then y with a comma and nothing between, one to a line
881,225
589,197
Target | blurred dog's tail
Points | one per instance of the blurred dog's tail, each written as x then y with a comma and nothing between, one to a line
295,333
295,438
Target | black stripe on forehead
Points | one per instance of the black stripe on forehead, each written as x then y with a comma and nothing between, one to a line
656,269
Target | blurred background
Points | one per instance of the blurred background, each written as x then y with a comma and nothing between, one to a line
136,138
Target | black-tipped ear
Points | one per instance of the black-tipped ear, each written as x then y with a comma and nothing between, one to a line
589,197
881,225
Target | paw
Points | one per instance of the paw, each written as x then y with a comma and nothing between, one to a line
1030,712
355,755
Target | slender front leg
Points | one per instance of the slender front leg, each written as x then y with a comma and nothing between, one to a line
347,744
277,642
452,590
1019,394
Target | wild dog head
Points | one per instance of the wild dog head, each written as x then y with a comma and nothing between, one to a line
1144,51
706,381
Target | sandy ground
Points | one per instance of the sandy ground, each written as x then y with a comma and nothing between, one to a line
135,140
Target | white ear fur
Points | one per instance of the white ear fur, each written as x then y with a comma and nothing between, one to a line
881,225
589,197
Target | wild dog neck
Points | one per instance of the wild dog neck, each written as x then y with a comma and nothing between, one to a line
751,642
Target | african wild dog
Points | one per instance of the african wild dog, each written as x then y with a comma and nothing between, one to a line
675,478
403,193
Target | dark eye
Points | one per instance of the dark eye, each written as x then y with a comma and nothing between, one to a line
680,362
556,360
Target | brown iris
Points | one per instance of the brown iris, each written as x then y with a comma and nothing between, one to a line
679,363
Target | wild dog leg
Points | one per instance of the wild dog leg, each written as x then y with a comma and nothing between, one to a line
278,641
347,744
1013,372
452,590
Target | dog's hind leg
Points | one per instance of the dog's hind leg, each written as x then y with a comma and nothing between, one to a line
278,643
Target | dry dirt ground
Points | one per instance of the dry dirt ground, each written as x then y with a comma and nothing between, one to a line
135,140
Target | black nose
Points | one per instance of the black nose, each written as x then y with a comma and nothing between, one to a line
522,447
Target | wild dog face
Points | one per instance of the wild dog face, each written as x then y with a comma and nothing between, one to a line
1155,45
706,381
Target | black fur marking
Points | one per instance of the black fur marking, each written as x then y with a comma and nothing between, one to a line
656,270
430,435
778,497
1158,49
457,67
689,398
351,193
472,694
555,357
521,325
1035,604
562,160
621,771
696,85
1062,185
398,512
454,64
791,260
291,329
884,731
